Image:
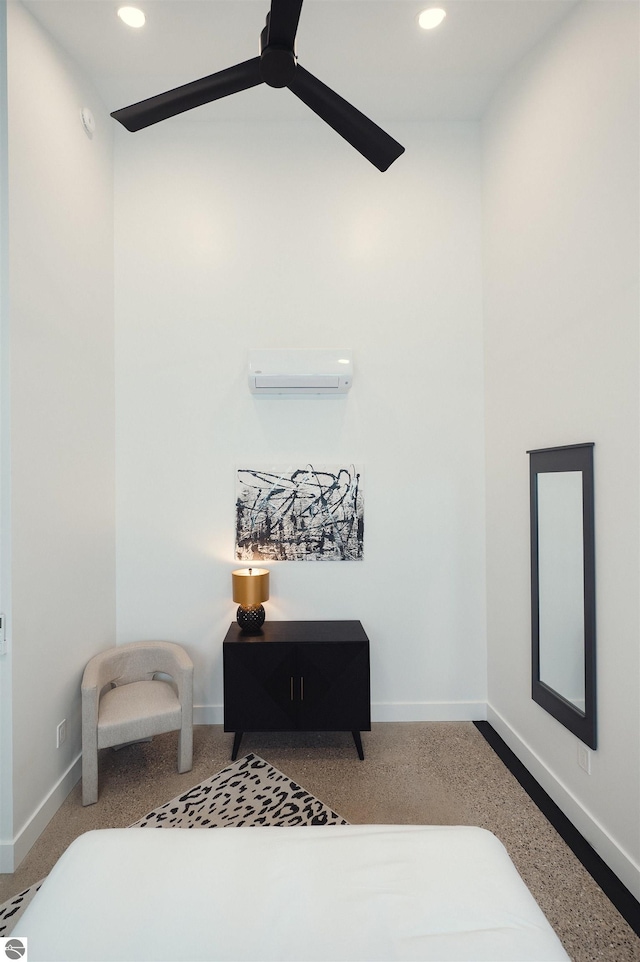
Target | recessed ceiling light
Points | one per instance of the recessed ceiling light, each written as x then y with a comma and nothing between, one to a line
431,18
132,16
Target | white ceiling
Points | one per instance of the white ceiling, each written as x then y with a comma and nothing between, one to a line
370,51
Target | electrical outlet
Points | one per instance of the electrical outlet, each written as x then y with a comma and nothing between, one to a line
584,758
61,733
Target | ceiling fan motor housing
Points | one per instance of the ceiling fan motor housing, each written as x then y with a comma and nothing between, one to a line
277,65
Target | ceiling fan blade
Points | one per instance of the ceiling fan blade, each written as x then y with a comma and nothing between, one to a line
282,22
195,94
372,141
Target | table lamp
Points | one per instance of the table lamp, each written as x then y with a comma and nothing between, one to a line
250,589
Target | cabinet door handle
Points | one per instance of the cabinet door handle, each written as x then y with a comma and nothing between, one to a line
291,689
301,687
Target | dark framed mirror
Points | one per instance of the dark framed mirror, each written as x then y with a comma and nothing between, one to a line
563,617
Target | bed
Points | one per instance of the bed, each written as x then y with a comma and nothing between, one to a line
342,892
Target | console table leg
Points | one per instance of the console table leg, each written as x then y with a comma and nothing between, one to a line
358,740
237,738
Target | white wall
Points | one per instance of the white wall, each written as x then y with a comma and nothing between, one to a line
62,602
561,260
238,236
6,750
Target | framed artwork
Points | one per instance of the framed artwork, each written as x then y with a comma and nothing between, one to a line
309,513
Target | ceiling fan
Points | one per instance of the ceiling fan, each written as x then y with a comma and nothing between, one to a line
277,66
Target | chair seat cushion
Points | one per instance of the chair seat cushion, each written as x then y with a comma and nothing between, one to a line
137,710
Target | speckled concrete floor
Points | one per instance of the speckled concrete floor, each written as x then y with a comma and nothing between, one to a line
422,773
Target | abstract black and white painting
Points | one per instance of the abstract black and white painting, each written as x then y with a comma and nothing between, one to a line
310,513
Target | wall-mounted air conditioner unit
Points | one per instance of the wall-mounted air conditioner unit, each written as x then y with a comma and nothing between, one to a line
300,373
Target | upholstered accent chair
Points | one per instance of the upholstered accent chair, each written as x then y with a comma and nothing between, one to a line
124,701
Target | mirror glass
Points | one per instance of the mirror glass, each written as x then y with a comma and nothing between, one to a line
563,586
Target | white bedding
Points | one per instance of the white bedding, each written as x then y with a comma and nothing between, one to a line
343,892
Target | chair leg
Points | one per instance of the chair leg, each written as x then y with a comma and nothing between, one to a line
185,748
89,775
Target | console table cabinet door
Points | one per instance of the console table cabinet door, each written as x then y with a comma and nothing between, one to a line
259,688
333,686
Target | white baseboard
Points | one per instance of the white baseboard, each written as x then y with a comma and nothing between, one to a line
207,715
384,712
6,858
12,853
619,861
428,711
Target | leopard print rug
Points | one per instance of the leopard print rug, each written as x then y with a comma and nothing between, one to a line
249,792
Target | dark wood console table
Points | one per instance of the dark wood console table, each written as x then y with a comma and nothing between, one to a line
297,676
